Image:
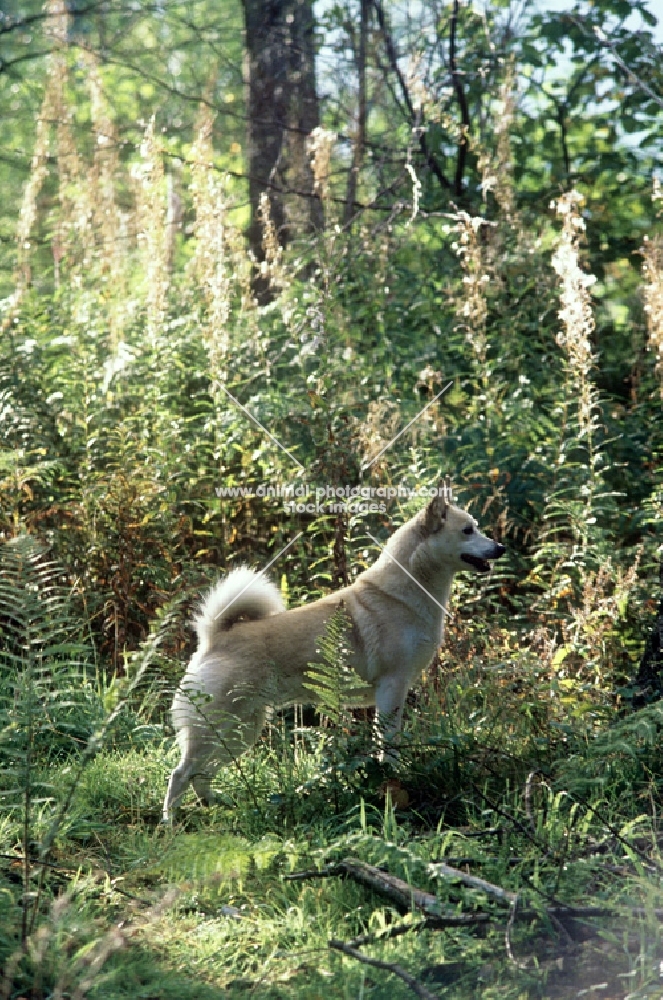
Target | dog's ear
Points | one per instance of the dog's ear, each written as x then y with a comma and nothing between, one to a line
436,512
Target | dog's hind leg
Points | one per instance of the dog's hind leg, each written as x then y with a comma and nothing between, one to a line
178,784
205,749
197,752
232,743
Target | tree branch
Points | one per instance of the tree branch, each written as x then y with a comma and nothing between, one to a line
438,868
393,60
612,48
404,895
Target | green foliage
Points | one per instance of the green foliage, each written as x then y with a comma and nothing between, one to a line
50,704
127,343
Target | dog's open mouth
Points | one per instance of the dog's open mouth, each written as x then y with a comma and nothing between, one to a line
481,565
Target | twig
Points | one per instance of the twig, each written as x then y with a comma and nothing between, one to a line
473,881
396,930
312,873
489,859
615,833
507,936
404,895
392,967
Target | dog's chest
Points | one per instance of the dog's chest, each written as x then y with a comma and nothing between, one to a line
420,645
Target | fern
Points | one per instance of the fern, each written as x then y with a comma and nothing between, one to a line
333,681
48,704
40,672
335,686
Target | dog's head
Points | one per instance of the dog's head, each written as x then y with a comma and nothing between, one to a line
453,537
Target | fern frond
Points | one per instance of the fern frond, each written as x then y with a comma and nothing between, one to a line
334,683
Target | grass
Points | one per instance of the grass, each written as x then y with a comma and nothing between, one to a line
131,908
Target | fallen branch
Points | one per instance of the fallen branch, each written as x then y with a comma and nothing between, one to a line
392,967
405,896
439,868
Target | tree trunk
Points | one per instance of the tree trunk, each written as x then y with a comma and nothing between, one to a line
360,137
282,112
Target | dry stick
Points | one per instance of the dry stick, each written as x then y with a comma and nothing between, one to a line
404,895
396,970
398,891
507,937
473,881
311,873
503,895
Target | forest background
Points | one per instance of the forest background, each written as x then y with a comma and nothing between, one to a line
354,244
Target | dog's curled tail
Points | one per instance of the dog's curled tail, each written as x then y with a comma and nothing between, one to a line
243,594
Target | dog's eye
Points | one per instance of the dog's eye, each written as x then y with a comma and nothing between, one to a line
468,531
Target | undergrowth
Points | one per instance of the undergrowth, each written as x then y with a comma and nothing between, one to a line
139,370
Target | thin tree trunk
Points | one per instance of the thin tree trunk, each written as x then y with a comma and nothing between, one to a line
413,117
282,112
360,138
463,144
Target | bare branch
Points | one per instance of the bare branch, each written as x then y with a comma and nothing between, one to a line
612,48
417,988
412,114
404,895
473,881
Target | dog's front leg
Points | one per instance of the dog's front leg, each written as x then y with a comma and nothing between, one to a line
390,695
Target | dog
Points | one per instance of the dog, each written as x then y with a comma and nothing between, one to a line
253,654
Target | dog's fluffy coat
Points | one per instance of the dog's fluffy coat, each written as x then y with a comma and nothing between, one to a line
253,654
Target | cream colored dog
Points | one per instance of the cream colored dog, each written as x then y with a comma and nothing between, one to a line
253,654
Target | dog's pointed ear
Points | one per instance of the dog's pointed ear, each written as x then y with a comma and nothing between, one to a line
436,512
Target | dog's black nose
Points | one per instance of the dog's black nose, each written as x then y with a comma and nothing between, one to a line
499,550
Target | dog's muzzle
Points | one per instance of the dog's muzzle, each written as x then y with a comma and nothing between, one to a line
482,565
